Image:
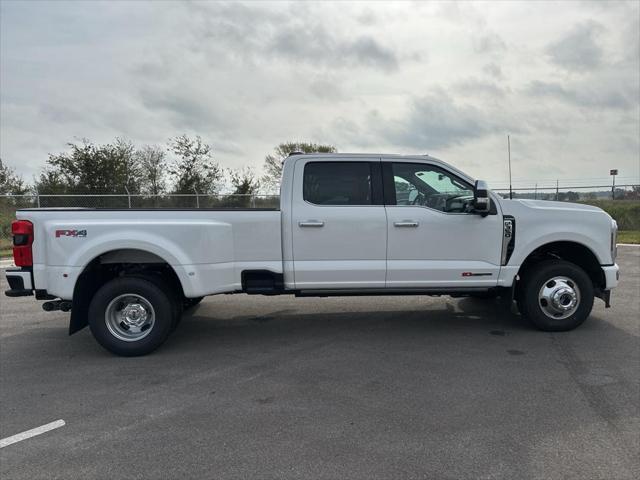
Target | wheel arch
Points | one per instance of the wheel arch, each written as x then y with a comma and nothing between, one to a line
111,264
571,251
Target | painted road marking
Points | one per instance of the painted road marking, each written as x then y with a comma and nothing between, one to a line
31,433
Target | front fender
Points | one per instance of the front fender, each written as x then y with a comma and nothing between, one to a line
526,246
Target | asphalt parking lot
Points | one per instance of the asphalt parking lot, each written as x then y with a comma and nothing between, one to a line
364,387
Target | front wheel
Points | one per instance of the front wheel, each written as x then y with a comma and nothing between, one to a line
556,295
131,316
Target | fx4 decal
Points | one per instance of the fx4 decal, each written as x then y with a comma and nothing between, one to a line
71,233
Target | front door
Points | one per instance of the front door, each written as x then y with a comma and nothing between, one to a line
433,238
339,225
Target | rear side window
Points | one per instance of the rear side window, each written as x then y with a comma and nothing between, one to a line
337,183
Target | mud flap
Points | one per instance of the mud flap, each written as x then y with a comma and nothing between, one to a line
605,296
86,286
79,316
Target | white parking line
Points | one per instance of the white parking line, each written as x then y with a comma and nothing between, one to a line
31,433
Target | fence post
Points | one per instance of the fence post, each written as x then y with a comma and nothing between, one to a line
535,194
128,196
557,188
197,197
37,197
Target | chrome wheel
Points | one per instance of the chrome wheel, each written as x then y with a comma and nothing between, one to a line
559,298
129,317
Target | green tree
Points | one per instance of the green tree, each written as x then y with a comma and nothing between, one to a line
10,182
244,181
274,161
53,182
572,196
88,168
152,165
634,193
193,169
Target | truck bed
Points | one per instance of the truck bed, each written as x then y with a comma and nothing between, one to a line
207,248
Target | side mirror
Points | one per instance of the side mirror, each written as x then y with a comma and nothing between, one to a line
481,200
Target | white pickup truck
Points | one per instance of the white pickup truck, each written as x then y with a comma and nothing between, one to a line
347,225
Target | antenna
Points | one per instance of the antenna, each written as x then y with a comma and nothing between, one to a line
509,150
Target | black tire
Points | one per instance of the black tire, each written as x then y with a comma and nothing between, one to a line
542,275
165,286
105,301
189,303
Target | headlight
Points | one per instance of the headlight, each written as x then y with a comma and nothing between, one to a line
614,240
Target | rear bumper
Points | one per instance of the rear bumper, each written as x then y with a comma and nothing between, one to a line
611,275
20,283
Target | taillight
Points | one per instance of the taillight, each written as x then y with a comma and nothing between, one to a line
22,231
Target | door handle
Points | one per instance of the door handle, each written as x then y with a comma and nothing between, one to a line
406,224
311,223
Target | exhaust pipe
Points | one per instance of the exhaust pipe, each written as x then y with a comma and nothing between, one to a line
62,305
50,306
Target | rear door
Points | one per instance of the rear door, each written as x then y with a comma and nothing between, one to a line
434,240
339,224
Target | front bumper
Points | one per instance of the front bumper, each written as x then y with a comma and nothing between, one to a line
19,280
611,275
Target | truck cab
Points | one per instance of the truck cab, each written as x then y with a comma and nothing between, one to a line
348,224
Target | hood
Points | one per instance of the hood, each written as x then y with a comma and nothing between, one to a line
545,208
549,205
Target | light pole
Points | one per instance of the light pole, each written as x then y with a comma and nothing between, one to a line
613,174
509,152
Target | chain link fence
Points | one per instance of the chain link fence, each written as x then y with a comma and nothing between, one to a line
599,195
574,193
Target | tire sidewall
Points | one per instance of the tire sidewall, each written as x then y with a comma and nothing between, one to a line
176,305
542,273
160,301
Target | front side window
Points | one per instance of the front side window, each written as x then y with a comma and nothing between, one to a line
429,186
337,183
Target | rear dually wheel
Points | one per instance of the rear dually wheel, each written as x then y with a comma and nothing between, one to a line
131,316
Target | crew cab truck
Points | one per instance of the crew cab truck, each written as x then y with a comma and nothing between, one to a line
348,224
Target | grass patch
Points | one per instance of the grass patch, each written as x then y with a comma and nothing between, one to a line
6,247
625,212
629,236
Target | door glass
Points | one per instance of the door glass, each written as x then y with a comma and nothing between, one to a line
337,183
429,186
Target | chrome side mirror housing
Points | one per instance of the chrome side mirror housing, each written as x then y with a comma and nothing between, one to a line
481,200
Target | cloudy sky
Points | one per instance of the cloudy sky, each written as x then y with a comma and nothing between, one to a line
448,79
